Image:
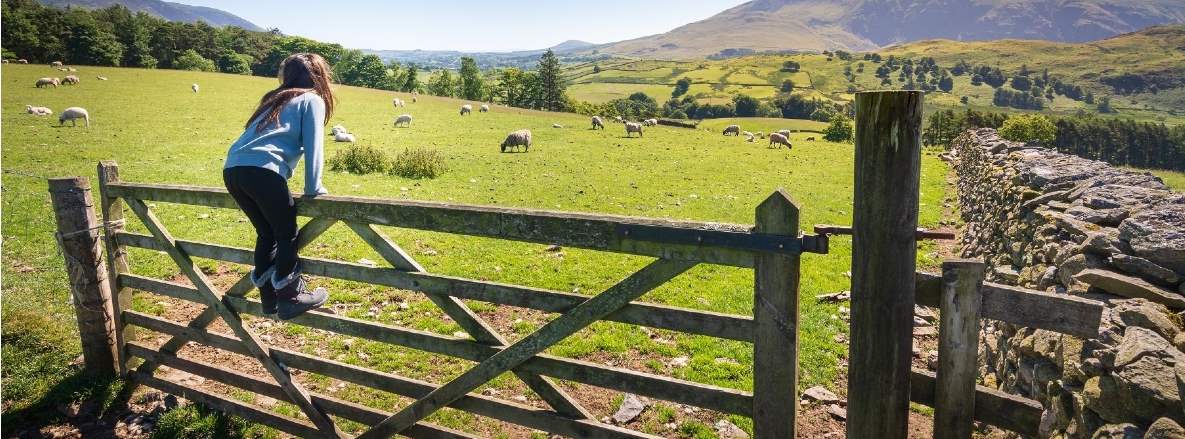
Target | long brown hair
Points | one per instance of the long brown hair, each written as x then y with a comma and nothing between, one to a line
300,73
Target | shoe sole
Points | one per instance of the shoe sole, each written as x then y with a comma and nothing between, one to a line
310,308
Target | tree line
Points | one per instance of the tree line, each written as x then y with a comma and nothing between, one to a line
1119,142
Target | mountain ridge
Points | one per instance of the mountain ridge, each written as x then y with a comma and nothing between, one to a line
167,10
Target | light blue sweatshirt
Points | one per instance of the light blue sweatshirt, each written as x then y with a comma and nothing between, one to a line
301,130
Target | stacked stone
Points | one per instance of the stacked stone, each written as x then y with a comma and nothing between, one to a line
1068,225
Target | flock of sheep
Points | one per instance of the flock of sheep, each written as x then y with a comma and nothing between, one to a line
71,114
780,138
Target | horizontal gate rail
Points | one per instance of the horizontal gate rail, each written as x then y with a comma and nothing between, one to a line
1023,307
478,404
656,316
713,243
655,386
992,406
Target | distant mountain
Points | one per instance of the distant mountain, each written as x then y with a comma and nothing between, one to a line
857,25
166,10
568,51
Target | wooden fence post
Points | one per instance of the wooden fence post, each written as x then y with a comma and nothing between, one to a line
884,249
117,261
775,315
958,344
78,238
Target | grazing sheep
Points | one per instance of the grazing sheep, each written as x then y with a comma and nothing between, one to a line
597,122
45,82
650,122
70,79
405,120
38,111
732,129
556,125
415,93
633,127
337,129
55,64
101,78
342,136
194,87
413,99
776,139
72,114
22,61
466,109
398,102
484,108
810,139
760,134
618,119
518,138
784,133
4,61
748,136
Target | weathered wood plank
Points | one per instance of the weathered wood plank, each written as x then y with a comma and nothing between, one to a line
1024,307
884,245
958,344
655,386
481,405
117,260
214,299
596,307
78,240
828,229
231,377
715,243
229,406
775,312
556,397
992,406
708,323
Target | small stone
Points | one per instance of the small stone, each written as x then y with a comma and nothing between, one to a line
1146,269
1127,286
837,412
404,305
1165,428
631,406
728,430
461,334
680,361
821,395
834,297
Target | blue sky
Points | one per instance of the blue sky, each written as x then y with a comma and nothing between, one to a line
469,25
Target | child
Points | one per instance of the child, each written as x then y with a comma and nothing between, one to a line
289,122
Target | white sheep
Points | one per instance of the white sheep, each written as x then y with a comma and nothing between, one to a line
3,61
72,114
55,64
22,61
650,122
342,136
633,127
466,109
597,122
398,102
101,78
38,111
70,79
413,99
732,129
45,82
748,136
760,134
776,139
337,129
194,87
618,119
405,120
784,133
518,138
556,125
484,108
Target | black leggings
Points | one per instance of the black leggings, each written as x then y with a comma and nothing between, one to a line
263,195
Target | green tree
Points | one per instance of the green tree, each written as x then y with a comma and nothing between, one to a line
1029,128
371,72
746,106
551,86
1105,105
442,84
839,130
237,63
787,86
790,66
946,83
681,87
191,60
410,80
89,44
471,83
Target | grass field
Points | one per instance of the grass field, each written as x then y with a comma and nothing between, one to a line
159,131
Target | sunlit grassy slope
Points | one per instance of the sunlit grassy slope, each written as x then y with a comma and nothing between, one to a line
159,131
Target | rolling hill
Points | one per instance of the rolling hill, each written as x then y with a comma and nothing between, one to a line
166,10
861,25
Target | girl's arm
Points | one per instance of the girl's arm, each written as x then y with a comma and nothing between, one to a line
312,134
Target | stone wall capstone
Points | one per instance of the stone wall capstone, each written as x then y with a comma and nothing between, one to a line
1068,225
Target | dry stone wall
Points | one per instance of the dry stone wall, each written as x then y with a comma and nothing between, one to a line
1068,225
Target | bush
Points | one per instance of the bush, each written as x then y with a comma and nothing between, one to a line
358,159
191,60
840,129
1029,128
418,163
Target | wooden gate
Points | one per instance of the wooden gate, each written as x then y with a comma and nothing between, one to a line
771,248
